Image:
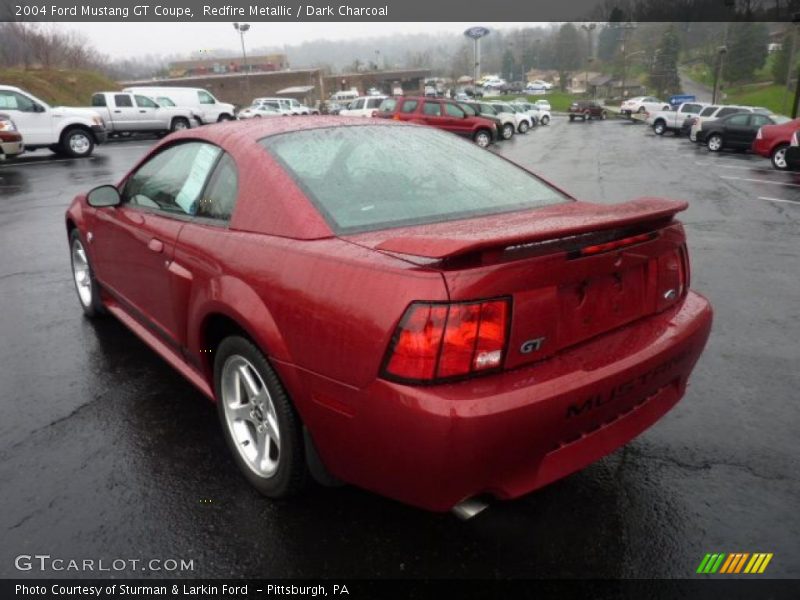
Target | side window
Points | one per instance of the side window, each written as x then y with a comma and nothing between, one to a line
122,100
357,104
409,106
14,101
144,102
388,105
738,120
760,120
171,181
373,103
451,110
220,195
431,109
708,110
99,100
205,97
724,112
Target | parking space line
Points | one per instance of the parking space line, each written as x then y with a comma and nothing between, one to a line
796,203
39,162
759,180
709,164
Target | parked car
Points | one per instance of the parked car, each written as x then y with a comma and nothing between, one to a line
543,105
403,311
73,132
642,104
289,106
539,84
536,111
344,96
738,130
663,121
523,121
439,113
11,143
696,130
200,101
772,141
504,128
363,107
259,110
123,112
587,110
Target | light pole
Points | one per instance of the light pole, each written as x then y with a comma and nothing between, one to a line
475,34
588,28
718,72
242,28
624,29
625,58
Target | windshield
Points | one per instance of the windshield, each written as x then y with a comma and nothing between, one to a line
364,178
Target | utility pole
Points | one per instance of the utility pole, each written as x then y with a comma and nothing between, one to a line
241,28
718,73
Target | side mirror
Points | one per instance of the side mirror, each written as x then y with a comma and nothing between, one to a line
105,195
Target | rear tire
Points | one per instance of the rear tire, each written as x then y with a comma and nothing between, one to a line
778,158
545,120
587,116
261,427
572,117
659,128
224,117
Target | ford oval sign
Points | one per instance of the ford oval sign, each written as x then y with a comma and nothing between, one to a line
476,32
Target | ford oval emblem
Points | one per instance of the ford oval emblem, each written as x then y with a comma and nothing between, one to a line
476,32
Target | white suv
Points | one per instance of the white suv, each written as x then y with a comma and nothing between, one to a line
522,120
365,106
289,106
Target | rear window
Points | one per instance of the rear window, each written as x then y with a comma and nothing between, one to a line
728,110
375,177
388,105
708,111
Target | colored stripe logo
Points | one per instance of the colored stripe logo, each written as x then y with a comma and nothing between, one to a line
735,563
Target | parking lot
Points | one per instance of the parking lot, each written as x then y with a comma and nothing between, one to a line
107,452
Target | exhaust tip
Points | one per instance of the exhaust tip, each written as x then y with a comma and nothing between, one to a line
469,508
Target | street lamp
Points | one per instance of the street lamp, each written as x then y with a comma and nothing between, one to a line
625,58
242,28
718,72
588,28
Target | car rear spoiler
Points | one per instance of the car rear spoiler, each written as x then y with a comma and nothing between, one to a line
546,224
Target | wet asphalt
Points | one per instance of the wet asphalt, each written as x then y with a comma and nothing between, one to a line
107,453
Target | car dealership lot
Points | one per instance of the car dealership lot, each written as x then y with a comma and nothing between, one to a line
105,452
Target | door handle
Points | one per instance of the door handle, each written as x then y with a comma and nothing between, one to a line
155,245
117,111
142,111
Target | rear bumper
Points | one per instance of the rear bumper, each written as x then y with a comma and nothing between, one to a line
509,434
761,147
11,145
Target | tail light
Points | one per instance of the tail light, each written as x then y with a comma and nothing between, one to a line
673,277
7,124
759,134
436,342
795,141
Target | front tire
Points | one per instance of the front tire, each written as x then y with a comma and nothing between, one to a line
714,142
523,127
483,138
224,117
545,120
76,142
179,124
83,276
259,423
778,158
508,131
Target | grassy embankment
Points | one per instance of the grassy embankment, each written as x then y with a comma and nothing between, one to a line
59,87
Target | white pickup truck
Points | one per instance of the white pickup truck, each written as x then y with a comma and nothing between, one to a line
70,131
672,120
126,113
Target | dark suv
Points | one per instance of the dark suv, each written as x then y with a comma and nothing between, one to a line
586,110
440,113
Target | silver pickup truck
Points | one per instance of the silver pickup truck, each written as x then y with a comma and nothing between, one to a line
672,120
126,113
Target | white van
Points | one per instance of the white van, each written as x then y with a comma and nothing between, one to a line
344,96
202,102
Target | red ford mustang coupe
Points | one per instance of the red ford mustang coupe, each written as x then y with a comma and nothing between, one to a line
390,306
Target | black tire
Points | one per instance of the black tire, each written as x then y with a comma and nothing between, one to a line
77,142
604,115
94,306
587,116
659,127
291,474
641,110
179,124
545,120
483,137
508,131
778,157
224,117
714,142
524,127
572,117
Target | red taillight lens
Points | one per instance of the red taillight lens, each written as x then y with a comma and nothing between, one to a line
444,341
673,277
614,245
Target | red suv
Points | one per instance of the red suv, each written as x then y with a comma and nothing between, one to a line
772,141
586,110
439,113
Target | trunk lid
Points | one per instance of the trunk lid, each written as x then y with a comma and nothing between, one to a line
573,270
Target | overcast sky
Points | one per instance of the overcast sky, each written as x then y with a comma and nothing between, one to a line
134,39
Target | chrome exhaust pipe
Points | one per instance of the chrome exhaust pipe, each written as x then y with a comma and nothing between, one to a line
471,507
